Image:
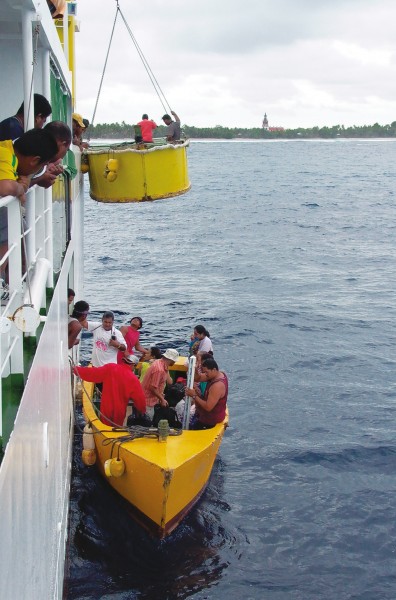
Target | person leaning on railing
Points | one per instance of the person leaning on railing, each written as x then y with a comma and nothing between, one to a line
19,160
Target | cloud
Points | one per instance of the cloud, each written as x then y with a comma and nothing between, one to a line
305,63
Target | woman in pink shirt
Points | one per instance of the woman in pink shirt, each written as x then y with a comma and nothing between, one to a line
131,335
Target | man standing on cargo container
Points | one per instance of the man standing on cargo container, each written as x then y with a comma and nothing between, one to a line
147,126
173,127
120,385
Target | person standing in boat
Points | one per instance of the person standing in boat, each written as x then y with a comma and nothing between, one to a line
155,379
147,127
77,320
107,340
147,360
173,127
120,385
131,335
203,336
210,408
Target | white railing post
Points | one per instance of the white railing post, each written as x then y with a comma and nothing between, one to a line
31,226
15,277
27,49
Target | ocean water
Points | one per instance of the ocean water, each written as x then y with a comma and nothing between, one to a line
285,251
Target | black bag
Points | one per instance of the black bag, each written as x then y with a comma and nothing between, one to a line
174,393
168,413
137,418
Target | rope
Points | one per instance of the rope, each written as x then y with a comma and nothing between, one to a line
147,67
105,65
161,96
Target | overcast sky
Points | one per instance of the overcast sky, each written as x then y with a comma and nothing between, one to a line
227,62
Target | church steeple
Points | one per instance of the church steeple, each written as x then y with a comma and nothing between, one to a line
265,122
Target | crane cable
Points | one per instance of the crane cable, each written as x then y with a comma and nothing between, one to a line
157,87
105,65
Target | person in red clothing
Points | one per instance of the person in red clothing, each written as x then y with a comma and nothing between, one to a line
147,126
120,385
131,335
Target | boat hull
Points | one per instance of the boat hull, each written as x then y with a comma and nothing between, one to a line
142,174
162,480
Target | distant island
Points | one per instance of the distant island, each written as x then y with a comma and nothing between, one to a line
125,131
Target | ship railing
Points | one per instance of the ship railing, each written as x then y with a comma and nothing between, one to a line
27,269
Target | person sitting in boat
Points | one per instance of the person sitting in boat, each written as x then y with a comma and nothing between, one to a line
13,127
77,320
156,378
107,340
147,126
173,127
210,408
131,335
153,354
120,385
203,335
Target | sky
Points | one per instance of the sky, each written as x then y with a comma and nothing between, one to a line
304,63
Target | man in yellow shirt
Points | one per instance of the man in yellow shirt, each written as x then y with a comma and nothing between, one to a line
19,160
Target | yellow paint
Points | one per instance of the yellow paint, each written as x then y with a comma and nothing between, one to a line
160,172
160,480
71,46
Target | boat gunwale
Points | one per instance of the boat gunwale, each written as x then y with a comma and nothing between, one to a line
121,147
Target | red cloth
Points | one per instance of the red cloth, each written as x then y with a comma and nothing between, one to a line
132,338
119,385
147,127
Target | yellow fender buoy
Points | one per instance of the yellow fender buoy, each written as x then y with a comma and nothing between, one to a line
114,467
107,467
111,168
88,438
88,457
112,164
117,467
111,176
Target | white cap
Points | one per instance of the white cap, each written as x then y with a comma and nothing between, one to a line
171,354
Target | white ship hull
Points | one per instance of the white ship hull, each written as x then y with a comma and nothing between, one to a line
35,470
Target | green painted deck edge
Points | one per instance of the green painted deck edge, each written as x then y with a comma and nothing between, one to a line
13,385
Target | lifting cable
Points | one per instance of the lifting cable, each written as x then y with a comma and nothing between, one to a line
156,85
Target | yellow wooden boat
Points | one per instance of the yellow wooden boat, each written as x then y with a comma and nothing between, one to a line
130,172
162,481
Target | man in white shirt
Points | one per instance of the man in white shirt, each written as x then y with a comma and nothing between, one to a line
107,340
